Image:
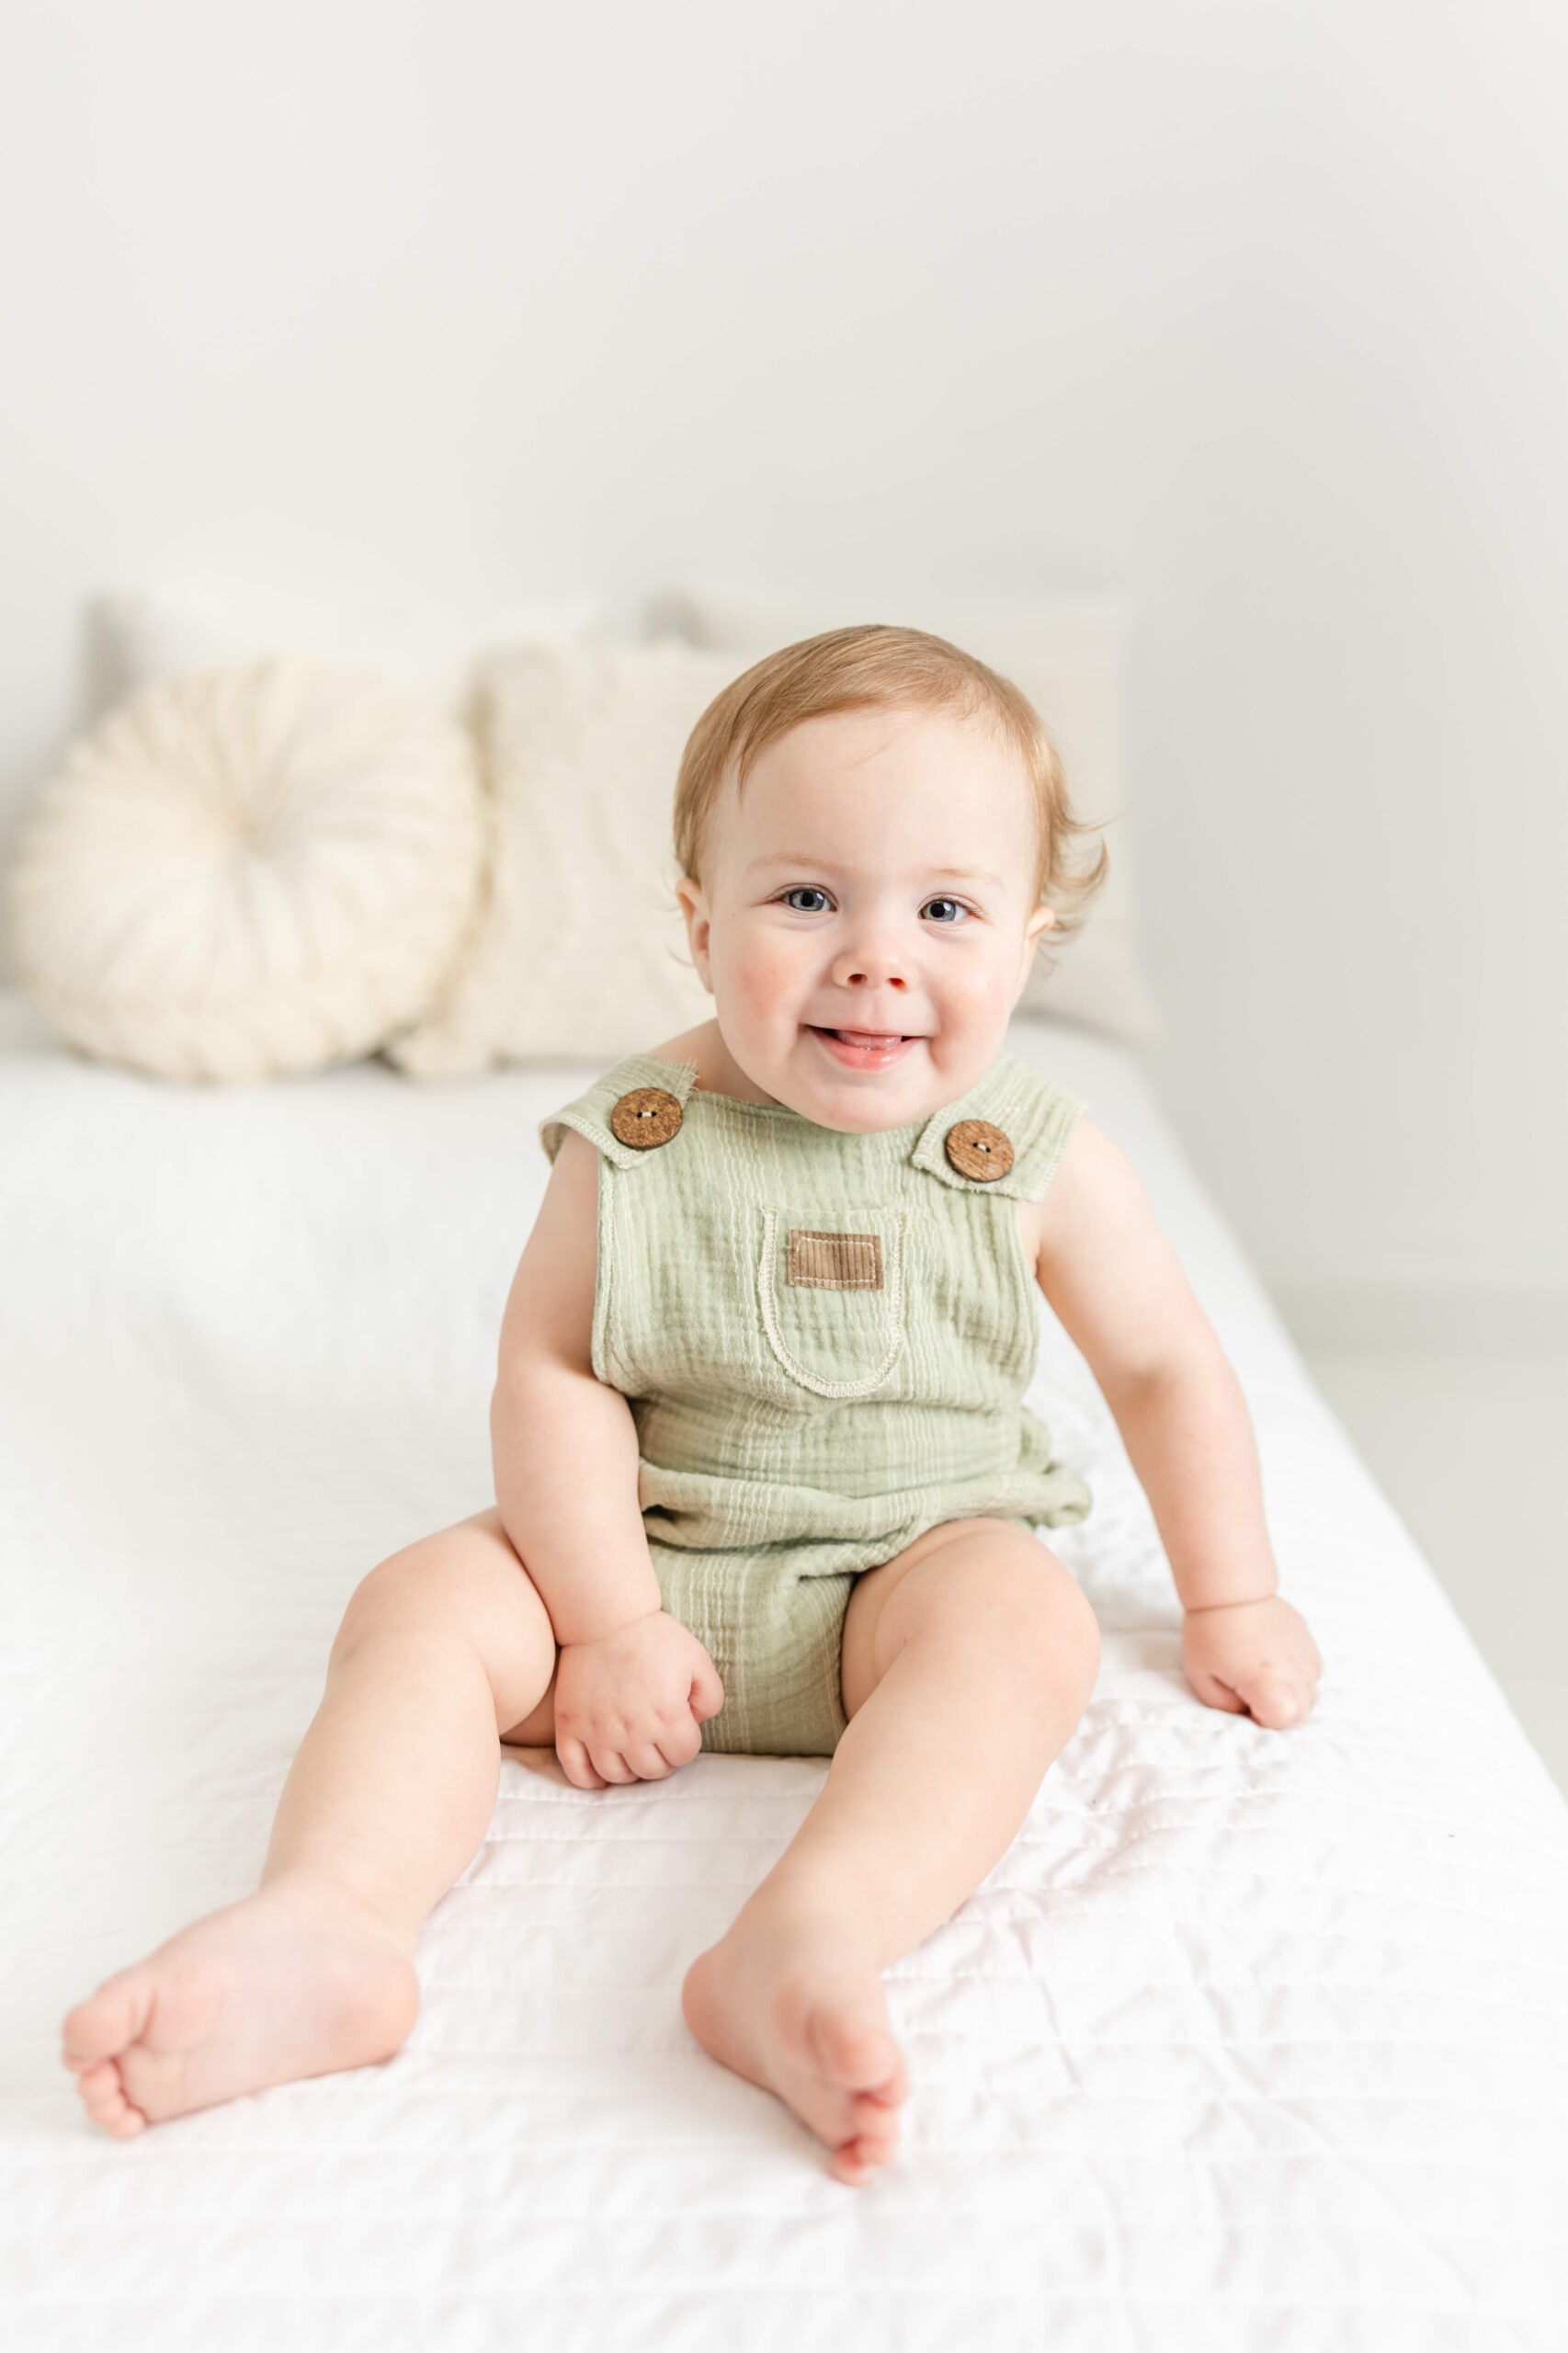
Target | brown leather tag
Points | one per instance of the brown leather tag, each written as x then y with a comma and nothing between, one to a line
835,1261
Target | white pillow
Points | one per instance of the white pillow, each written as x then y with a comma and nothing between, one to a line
418,644
249,871
581,954
1066,655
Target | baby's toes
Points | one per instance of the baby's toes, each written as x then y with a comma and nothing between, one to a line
855,2161
872,2141
876,2124
855,2047
101,2026
103,2095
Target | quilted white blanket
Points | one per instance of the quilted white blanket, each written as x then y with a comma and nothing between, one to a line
1251,2040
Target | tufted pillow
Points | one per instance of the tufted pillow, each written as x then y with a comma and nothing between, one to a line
581,954
248,871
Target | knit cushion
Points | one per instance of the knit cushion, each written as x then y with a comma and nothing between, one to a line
580,952
248,871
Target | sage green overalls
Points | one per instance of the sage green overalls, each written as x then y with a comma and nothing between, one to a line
824,1340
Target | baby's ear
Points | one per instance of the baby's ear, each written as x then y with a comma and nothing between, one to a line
1038,924
694,907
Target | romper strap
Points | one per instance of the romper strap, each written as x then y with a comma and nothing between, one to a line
646,1076
1014,1124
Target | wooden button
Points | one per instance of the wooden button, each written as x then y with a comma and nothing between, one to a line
976,1149
649,1115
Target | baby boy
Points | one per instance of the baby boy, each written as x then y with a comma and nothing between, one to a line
763,1478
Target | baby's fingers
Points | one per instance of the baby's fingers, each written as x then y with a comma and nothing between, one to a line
680,1738
707,1692
1215,1694
576,1763
1275,1704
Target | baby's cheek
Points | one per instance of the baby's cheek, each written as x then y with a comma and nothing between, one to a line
975,989
756,979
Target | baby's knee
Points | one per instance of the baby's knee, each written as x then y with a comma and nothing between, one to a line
1036,1612
392,1591
467,1577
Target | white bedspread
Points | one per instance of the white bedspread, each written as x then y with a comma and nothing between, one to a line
1252,2039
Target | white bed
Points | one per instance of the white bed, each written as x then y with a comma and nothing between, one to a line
1251,2041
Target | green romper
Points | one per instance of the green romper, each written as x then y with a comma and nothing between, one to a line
824,1340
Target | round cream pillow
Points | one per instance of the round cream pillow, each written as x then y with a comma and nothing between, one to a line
249,871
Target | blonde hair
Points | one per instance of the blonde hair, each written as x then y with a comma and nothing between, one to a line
854,669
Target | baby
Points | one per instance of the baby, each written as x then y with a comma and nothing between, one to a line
763,1479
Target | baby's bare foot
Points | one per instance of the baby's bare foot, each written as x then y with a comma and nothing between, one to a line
790,2004
271,1989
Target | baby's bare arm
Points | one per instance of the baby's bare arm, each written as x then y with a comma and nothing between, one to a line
1119,1289
563,1445
632,1686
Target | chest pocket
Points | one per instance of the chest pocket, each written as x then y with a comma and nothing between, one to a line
833,1303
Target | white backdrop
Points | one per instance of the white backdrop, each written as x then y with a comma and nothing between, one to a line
1254,313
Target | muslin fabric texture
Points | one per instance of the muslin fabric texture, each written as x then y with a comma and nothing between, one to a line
249,871
794,1433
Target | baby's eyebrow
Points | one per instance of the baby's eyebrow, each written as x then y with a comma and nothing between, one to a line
803,859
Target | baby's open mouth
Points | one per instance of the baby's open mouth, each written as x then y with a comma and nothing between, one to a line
868,1049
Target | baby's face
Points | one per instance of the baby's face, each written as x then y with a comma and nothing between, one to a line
867,913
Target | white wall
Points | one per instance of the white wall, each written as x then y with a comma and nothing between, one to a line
1255,313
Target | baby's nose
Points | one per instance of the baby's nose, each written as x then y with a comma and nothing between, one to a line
866,967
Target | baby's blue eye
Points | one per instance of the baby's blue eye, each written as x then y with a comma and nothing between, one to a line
806,899
944,910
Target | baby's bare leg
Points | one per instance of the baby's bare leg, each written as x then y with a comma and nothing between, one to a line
444,1647
968,1662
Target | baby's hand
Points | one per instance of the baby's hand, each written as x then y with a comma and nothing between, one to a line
1251,1658
630,1706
